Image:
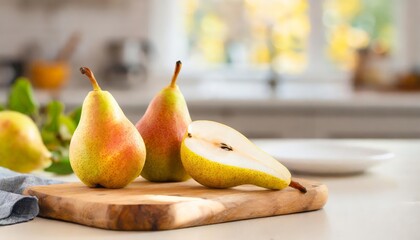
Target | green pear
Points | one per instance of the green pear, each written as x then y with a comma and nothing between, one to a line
21,146
106,149
218,156
163,127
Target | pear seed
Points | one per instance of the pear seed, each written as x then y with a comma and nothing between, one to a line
226,147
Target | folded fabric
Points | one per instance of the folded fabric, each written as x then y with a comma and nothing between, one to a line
15,207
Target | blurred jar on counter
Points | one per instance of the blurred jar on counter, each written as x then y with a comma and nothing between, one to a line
374,69
49,74
53,74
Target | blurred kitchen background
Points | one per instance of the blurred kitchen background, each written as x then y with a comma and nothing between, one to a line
270,68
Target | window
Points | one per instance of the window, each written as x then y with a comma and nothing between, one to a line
253,32
357,24
276,33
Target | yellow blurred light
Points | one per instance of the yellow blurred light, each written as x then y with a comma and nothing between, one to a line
344,39
260,53
358,38
212,24
212,49
275,29
300,26
190,6
346,9
290,62
259,30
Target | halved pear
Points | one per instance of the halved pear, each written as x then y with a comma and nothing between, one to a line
218,156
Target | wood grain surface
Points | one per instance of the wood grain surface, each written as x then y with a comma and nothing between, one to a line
157,206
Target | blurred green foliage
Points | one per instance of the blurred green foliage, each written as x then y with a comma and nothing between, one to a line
55,125
21,98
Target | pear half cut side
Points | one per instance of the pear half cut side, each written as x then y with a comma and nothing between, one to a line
218,156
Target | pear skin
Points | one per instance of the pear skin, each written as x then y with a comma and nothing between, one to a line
21,146
216,175
106,149
163,127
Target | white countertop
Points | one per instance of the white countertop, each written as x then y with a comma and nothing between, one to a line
383,203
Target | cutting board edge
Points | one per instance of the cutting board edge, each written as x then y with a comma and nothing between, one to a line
320,200
106,222
319,190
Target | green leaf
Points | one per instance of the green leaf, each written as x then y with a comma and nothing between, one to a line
1,108
67,127
58,126
54,111
21,98
75,115
50,139
60,167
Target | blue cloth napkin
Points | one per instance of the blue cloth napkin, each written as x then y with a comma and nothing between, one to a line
15,207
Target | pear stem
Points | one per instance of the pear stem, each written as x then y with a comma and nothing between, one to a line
86,71
297,186
176,72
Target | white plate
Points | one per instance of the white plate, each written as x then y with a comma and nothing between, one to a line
324,156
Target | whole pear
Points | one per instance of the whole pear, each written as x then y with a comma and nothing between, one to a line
106,149
21,146
163,127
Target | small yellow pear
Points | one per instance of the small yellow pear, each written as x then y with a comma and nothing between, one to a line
21,146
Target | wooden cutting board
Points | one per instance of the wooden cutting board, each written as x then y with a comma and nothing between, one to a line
156,206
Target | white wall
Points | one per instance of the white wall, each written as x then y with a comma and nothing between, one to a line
50,22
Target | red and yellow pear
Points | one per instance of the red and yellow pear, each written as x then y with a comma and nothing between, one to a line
106,149
163,127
